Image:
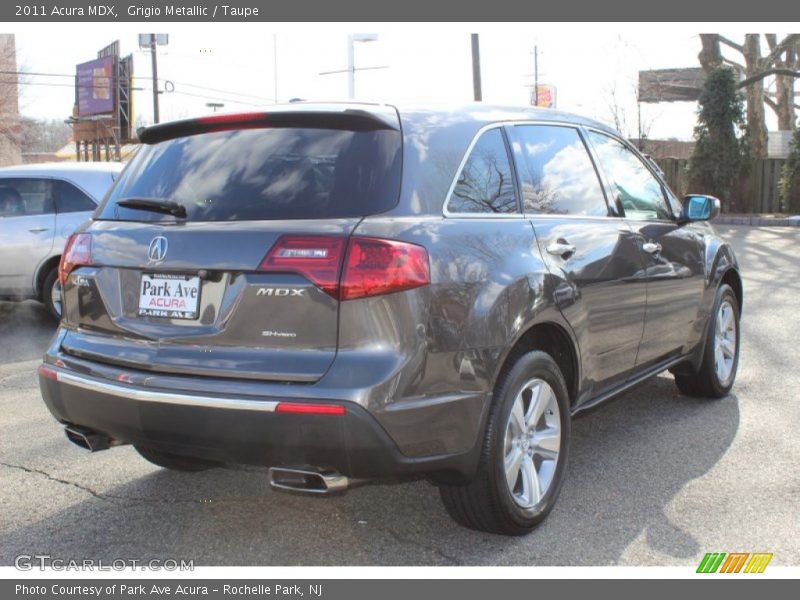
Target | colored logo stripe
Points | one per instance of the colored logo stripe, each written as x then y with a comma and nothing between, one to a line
758,562
713,562
734,562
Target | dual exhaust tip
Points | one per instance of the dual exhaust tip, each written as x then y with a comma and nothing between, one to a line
88,439
307,480
303,480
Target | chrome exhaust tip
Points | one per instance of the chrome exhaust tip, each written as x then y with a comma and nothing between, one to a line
307,480
88,439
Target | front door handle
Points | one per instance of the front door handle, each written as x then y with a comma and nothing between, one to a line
38,229
651,247
561,248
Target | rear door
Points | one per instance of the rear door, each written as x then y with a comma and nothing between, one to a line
27,225
245,284
672,253
73,207
591,252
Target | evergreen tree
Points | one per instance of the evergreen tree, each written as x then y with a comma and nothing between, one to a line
719,161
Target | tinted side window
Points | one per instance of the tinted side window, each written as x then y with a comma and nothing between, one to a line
485,184
638,190
71,199
558,176
23,197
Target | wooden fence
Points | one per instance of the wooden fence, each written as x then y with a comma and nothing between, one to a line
762,188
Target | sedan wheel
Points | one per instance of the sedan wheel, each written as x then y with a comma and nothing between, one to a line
55,297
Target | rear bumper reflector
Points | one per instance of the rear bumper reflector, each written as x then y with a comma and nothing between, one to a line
303,408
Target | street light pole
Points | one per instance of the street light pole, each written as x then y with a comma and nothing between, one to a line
154,62
476,68
351,67
351,59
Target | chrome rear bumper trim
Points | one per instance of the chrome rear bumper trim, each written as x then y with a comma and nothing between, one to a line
165,397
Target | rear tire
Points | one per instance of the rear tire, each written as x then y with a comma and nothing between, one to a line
51,294
721,352
174,462
500,499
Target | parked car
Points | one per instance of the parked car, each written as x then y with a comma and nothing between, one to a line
40,206
357,292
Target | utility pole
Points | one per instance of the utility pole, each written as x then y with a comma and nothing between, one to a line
275,65
154,62
536,75
476,68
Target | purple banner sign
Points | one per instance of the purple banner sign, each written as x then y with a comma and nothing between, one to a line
95,91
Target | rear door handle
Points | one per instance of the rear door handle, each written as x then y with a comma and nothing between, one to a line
651,247
38,229
561,248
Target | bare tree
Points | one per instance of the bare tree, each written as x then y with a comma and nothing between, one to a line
43,135
616,111
618,114
782,61
9,101
784,84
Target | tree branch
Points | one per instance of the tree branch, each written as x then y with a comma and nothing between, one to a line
785,44
732,63
731,44
759,76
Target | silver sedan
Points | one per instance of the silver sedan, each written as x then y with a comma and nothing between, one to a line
40,206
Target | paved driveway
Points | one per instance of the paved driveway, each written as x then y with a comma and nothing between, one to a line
654,478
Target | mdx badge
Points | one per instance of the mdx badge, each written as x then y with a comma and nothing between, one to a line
280,291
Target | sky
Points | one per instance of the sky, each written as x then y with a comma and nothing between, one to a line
592,66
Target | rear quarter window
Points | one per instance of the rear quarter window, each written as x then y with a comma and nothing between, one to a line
264,174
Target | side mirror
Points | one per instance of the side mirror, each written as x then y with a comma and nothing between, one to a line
697,207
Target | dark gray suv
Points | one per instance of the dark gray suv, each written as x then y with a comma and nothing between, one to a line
358,292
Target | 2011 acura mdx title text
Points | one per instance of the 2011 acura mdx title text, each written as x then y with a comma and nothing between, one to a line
357,292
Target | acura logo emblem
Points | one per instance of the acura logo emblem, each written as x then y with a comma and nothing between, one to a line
158,249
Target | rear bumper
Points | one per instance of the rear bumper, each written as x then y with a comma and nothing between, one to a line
241,429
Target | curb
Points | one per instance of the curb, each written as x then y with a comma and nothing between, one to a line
757,221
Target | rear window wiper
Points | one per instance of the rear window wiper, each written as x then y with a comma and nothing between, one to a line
155,205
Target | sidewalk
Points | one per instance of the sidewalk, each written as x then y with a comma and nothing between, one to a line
758,220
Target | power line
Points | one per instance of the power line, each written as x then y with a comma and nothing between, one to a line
182,83
67,85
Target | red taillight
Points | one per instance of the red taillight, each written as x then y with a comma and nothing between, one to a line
48,373
316,257
376,266
373,266
301,408
77,253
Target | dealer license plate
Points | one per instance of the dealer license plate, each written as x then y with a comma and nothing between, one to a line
169,296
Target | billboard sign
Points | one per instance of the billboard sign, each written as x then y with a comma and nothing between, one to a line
95,86
543,96
671,85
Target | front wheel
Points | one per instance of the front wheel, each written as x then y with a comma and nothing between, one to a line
721,353
524,452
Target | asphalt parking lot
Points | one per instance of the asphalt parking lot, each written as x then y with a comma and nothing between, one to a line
654,478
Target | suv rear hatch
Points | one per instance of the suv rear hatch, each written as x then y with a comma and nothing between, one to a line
219,250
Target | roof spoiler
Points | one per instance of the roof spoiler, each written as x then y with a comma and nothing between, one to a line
343,119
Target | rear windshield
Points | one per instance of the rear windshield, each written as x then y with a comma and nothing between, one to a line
264,174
